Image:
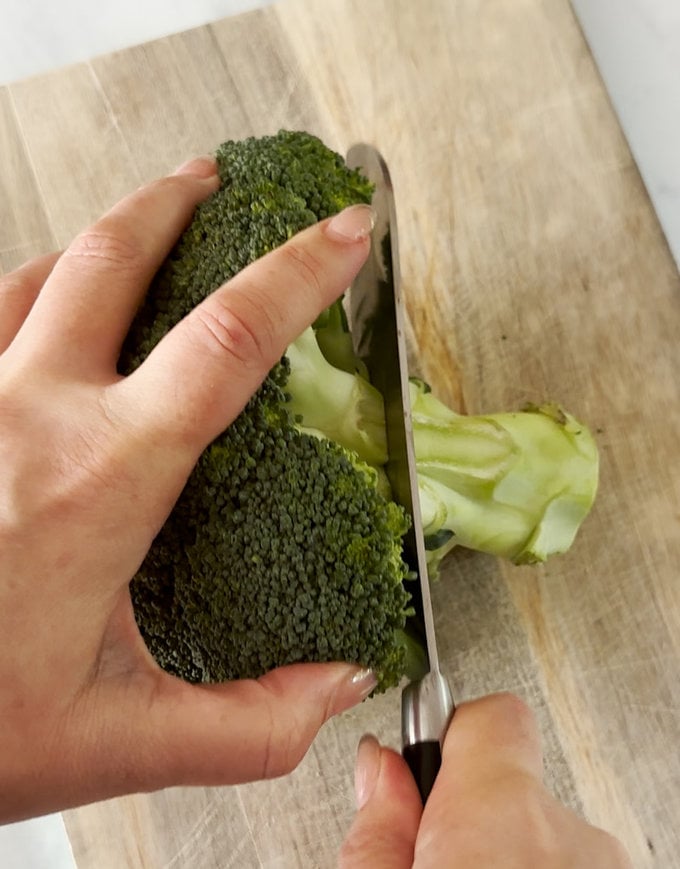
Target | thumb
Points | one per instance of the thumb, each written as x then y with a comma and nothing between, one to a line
202,373
232,732
384,831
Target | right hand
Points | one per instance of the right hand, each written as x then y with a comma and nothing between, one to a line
488,808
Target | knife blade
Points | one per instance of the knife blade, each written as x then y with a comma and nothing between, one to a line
377,324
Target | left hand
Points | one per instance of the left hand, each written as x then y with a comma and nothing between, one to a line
91,464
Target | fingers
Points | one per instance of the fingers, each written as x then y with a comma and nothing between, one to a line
487,740
493,734
384,831
491,751
18,291
200,376
89,299
489,807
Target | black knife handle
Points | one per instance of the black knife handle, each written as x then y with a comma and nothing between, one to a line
424,760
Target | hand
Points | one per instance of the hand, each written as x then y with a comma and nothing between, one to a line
90,466
488,807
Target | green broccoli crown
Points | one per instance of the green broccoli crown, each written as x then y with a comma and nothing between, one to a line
281,547
282,550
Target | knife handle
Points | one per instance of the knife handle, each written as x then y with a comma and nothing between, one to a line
426,711
424,760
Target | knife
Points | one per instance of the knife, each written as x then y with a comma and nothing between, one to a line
377,324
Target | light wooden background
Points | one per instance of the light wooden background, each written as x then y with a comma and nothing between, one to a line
534,267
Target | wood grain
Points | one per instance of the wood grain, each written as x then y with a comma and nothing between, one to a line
25,229
534,267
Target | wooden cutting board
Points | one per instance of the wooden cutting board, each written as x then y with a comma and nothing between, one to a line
534,267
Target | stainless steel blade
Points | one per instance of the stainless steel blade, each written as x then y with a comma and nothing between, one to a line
377,322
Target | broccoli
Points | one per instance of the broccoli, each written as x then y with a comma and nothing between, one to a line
282,546
285,544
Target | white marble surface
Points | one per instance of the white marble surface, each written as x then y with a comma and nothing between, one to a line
635,42
40,843
36,36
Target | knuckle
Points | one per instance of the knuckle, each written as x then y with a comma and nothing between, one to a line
510,730
172,189
110,244
366,845
283,755
174,185
241,336
43,491
287,738
21,286
617,855
351,852
306,267
512,708
21,279
174,182
13,284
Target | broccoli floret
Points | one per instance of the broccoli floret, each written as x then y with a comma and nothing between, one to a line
282,546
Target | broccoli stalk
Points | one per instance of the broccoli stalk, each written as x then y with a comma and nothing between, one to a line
329,401
516,485
335,341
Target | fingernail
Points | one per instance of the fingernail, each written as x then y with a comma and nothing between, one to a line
353,690
352,224
201,167
367,769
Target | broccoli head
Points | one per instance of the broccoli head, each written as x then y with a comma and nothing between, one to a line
282,546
